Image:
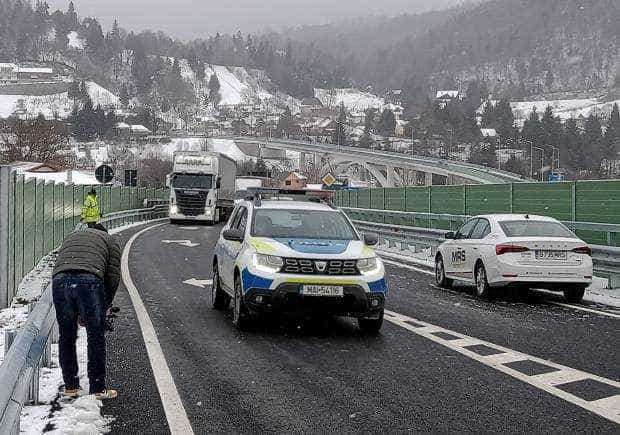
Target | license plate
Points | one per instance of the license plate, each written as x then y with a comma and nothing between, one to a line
322,290
551,255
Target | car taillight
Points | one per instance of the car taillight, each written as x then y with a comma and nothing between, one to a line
507,249
583,250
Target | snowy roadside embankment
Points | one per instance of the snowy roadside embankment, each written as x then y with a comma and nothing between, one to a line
52,415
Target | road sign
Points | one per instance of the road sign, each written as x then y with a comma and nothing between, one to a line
329,179
104,174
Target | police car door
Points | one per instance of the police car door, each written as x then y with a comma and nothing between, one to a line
232,249
458,255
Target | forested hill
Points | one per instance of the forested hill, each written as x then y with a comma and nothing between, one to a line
523,48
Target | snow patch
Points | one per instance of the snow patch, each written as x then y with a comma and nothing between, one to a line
75,41
353,99
565,109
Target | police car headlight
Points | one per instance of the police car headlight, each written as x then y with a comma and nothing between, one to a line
368,266
268,263
174,209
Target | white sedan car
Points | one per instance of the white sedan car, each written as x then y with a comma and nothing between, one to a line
523,251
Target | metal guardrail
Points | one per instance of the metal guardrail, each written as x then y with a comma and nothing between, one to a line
606,259
29,348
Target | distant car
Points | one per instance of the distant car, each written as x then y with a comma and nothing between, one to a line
290,254
522,251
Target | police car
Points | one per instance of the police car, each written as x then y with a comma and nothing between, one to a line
291,252
515,250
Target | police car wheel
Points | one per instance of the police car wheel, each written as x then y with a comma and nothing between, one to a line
240,314
574,294
370,325
440,274
219,299
483,290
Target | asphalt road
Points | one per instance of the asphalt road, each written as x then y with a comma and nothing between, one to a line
323,375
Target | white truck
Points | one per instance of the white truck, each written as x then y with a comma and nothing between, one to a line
202,186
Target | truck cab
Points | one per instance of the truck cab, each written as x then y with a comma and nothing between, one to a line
201,187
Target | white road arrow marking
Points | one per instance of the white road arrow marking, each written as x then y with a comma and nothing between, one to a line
187,243
203,283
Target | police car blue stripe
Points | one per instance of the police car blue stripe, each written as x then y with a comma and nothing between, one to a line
251,281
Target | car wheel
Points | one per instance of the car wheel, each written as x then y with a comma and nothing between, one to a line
483,290
219,299
440,274
370,325
574,294
240,313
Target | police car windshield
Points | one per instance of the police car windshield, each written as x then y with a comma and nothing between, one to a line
532,228
192,181
301,224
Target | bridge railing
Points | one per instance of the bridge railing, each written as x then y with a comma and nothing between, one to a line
28,349
606,259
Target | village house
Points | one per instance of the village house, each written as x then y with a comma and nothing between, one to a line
295,180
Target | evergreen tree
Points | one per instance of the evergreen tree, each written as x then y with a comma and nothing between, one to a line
532,132
340,134
369,120
74,91
551,128
593,140
388,123
124,95
612,135
574,156
214,90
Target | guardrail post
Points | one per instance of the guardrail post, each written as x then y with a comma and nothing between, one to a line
33,389
5,172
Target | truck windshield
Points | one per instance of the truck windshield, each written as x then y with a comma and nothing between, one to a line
192,181
302,224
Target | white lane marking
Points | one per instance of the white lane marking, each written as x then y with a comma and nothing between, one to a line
178,422
561,304
589,310
187,243
607,408
406,266
203,283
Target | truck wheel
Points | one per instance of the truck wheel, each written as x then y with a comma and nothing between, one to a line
219,299
483,290
440,274
574,294
370,325
241,317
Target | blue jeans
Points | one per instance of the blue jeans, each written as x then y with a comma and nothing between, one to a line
81,294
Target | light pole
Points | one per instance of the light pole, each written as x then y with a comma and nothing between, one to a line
542,160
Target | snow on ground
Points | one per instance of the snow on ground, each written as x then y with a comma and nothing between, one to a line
75,41
565,109
353,99
73,176
232,90
80,417
54,105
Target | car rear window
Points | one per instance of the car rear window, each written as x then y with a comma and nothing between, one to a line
530,228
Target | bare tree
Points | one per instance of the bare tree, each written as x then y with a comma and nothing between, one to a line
36,140
153,171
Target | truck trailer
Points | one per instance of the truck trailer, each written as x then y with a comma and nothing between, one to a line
202,187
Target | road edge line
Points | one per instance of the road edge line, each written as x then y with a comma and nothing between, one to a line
178,421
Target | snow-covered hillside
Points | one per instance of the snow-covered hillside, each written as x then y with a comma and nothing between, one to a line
54,105
353,99
565,109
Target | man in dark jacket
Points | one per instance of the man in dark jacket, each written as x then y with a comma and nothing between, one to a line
85,279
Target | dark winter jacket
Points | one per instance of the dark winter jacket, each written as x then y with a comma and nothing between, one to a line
95,252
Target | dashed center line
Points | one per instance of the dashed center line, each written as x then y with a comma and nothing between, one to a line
588,391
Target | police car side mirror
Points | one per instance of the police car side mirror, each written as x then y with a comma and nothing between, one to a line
451,235
371,239
233,235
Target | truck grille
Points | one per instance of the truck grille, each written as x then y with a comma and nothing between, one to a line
191,204
324,267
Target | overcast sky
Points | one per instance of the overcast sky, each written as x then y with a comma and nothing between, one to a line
200,18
